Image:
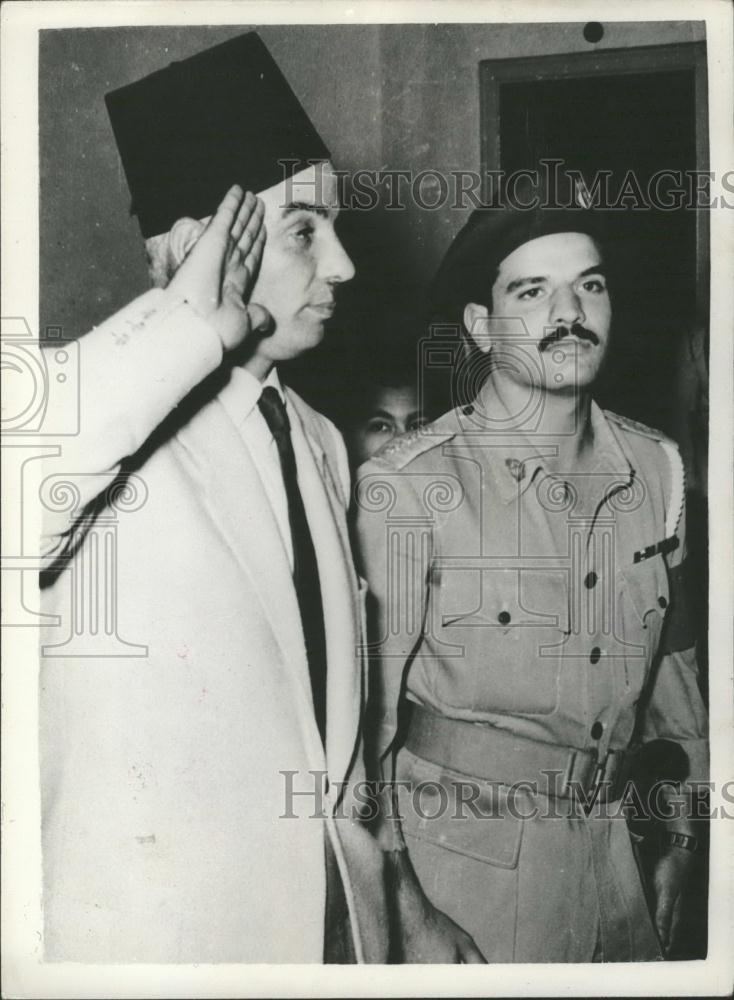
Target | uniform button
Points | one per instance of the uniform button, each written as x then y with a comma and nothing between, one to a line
662,602
596,731
468,410
504,617
595,655
590,580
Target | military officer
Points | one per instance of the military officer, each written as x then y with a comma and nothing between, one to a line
525,553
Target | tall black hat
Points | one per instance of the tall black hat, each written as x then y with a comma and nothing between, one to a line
225,116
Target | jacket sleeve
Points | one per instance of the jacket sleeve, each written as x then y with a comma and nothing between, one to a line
133,370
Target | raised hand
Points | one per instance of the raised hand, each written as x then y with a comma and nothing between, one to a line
217,274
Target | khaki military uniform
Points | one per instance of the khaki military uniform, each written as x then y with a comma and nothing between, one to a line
542,607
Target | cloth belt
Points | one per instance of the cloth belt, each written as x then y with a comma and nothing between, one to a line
490,754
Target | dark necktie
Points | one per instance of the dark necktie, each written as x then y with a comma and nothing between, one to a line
305,567
338,942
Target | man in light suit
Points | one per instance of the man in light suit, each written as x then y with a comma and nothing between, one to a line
204,661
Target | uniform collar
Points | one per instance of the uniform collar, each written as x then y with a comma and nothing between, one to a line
518,457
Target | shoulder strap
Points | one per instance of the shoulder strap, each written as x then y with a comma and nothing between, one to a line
677,490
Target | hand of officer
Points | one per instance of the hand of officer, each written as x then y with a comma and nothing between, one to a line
216,275
669,880
427,936
435,938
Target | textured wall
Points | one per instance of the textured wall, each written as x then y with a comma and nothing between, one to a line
395,96
430,100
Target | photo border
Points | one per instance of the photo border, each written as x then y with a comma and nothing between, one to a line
24,975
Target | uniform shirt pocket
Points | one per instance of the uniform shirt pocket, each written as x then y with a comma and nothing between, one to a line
498,636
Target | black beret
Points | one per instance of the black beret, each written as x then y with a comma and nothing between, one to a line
225,116
522,212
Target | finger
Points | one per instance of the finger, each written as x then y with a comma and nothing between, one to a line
467,948
247,240
260,318
224,217
235,280
239,226
243,263
253,227
471,955
663,913
243,216
254,255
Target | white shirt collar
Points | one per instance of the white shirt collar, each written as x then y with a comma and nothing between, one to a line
240,395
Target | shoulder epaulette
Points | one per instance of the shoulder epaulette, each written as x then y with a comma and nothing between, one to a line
402,450
635,426
677,473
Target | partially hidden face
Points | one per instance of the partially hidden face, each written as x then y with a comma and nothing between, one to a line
551,313
391,411
303,262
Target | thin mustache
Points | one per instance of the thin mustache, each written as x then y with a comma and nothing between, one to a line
578,331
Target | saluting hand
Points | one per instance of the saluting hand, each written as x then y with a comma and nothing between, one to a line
217,274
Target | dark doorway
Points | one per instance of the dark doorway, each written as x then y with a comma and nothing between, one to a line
629,114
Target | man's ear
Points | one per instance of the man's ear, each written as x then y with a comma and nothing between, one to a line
475,321
184,234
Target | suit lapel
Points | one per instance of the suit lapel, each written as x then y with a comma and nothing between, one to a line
328,529
239,508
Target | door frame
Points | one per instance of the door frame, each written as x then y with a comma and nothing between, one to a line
649,59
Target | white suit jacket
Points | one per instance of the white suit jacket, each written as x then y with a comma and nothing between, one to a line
175,702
